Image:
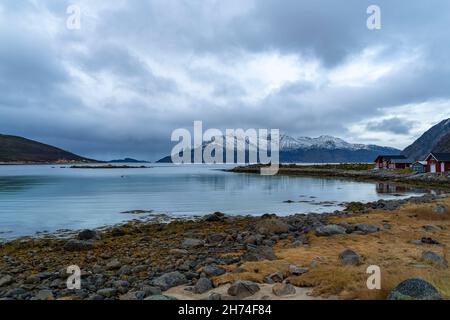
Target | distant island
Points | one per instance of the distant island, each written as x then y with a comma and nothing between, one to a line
14,149
109,166
128,160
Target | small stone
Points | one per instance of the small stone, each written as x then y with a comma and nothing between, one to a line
192,243
434,258
283,289
178,252
350,257
216,237
271,226
243,289
203,285
414,289
117,232
216,216
215,296
329,230
160,297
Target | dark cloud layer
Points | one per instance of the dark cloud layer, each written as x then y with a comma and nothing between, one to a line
139,69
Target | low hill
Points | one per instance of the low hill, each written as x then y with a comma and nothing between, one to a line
22,150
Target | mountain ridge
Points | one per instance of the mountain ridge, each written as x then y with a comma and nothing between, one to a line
16,149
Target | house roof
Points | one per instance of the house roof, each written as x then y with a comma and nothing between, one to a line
424,163
439,156
391,157
407,161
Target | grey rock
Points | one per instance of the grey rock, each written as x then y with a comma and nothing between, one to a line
117,232
216,216
192,243
151,291
170,280
113,265
329,230
107,292
213,270
414,289
283,289
243,289
274,278
88,235
178,252
271,226
215,296
349,257
440,208
431,228
203,285
78,245
160,297
259,253
216,237
6,280
297,271
44,295
366,228
434,258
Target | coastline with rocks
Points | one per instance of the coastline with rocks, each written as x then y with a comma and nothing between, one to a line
220,257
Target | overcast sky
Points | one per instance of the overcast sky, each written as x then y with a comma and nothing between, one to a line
136,70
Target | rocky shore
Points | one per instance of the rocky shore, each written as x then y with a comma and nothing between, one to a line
439,181
223,257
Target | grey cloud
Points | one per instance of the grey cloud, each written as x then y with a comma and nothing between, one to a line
393,125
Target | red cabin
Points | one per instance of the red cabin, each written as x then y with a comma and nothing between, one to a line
438,162
394,162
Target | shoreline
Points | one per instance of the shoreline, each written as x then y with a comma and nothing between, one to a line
141,260
425,181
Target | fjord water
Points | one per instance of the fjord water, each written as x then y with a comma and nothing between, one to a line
49,198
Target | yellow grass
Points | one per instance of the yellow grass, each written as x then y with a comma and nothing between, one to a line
391,249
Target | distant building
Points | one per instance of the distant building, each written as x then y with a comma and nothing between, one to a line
419,166
392,162
438,162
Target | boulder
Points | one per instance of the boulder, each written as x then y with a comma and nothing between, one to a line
192,243
440,208
329,230
271,226
216,216
203,285
243,289
88,235
44,295
349,257
283,289
259,253
6,280
117,232
170,280
434,258
216,237
114,264
414,289
365,228
274,278
297,271
107,292
78,245
431,228
212,270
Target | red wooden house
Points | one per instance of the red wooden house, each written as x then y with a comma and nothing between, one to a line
395,162
438,162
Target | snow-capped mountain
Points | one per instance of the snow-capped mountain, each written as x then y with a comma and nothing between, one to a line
325,142
323,149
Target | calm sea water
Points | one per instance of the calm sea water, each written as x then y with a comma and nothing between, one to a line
49,198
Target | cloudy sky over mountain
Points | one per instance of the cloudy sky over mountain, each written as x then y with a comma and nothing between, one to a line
136,70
